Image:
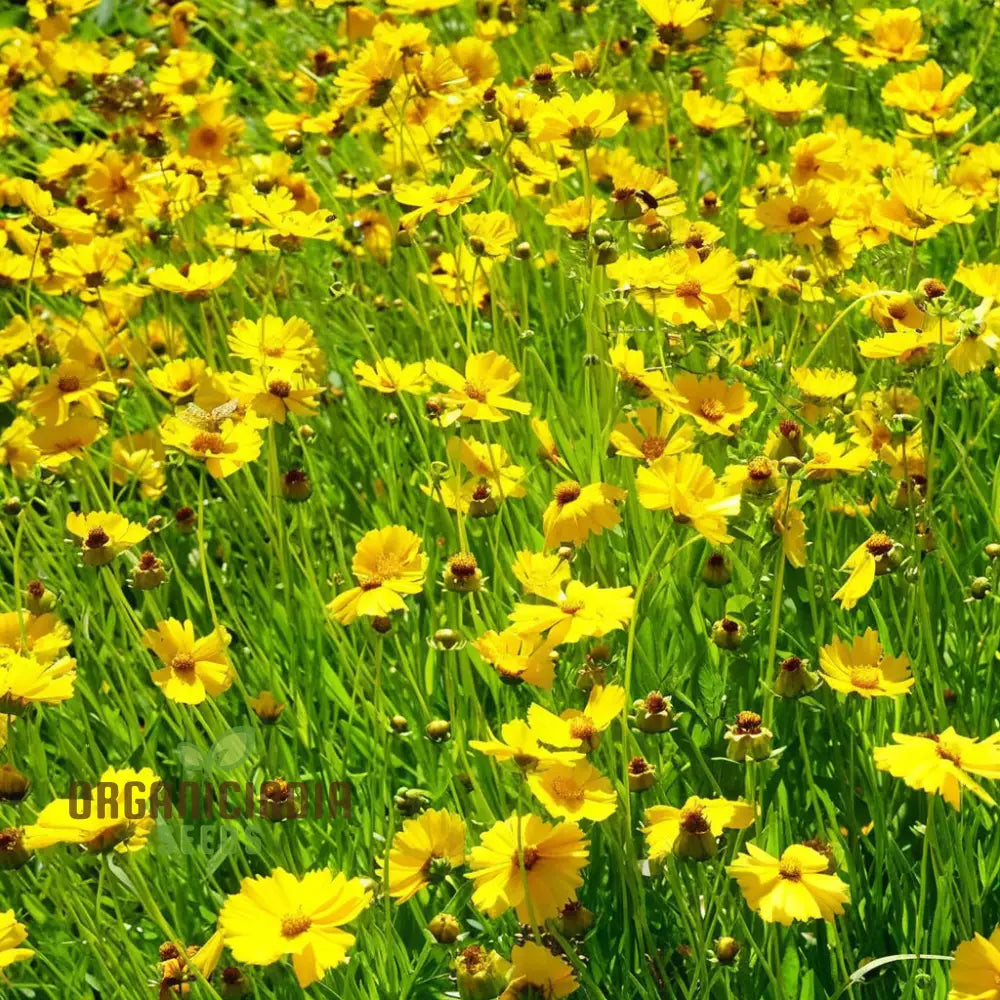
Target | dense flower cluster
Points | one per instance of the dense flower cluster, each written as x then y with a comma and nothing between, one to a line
572,425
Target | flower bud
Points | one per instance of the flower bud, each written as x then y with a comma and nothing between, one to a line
399,724
795,678
444,928
13,853
992,550
726,950
13,785
641,774
438,731
748,739
447,639
716,572
727,633
381,624
186,520
266,707
410,801
38,600
296,485
234,984
462,575
654,714
979,588
481,975
575,919
149,572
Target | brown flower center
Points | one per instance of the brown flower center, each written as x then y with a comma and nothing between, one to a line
688,290
748,723
759,469
206,442
295,925
879,544
693,820
474,392
97,538
712,409
182,663
798,214
279,388
567,492
790,870
582,727
866,678
653,447
69,383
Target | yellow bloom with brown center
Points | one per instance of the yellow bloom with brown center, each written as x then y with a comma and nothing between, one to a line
388,376
224,451
193,669
577,512
579,611
480,392
868,560
516,658
829,457
708,114
578,123
388,564
717,406
863,667
575,728
786,103
795,886
692,829
280,914
424,852
528,865
103,535
489,234
536,972
577,791
520,744
942,764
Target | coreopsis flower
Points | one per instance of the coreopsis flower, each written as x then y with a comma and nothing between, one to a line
576,512
90,266
102,536
917,208
579,611
480,973
489,234
193,282
73,389
273,395
388,376
893,36
864,667
686,486
867,561
923,93
266,707
116,815
193,669
577,791
630,366
12,936
388,563
535,971
748,739
790,524
795,886
438,199
425,851
42,636
541,573
718,406
786,103
708,114
578,123
673,18
576,216
224,450
828,458
139,458
975,969
520,744
517,659
942,764
692,830
575,728
179,969
25,681
804,215
273,342
480,392
528,865
279,914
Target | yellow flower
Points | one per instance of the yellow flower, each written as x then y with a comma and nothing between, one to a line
692,829
73,389
577,512
672,17
489,233
823,384
516,658
279,914
578,123
893,36
140,458
103,535
193,669
438,199
787,104
580,611
942,764
828,457
708,114
529,865
975,971
718,407
194,282
180,378
651,433
575,728
480,393
535,971
576,216
387,564
630,365
388,376
42,637
864,668
116,817
60,443
518,743
867,561
12,934
224,451
25,681
794,887
577,791
790,523
540,573
424,852
685,486
273,395
273,341
924,92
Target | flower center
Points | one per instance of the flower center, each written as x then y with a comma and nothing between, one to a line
879,544
688,290
182,663
790,870
748,723
295,925
530,859
567,790
582,727
69,383
280,389
798,214
97,538
567,492
474,392
759,469
693,820
712,410
865,677
653,447
946,753
206,442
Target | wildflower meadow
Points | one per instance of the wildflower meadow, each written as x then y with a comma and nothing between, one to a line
499,499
